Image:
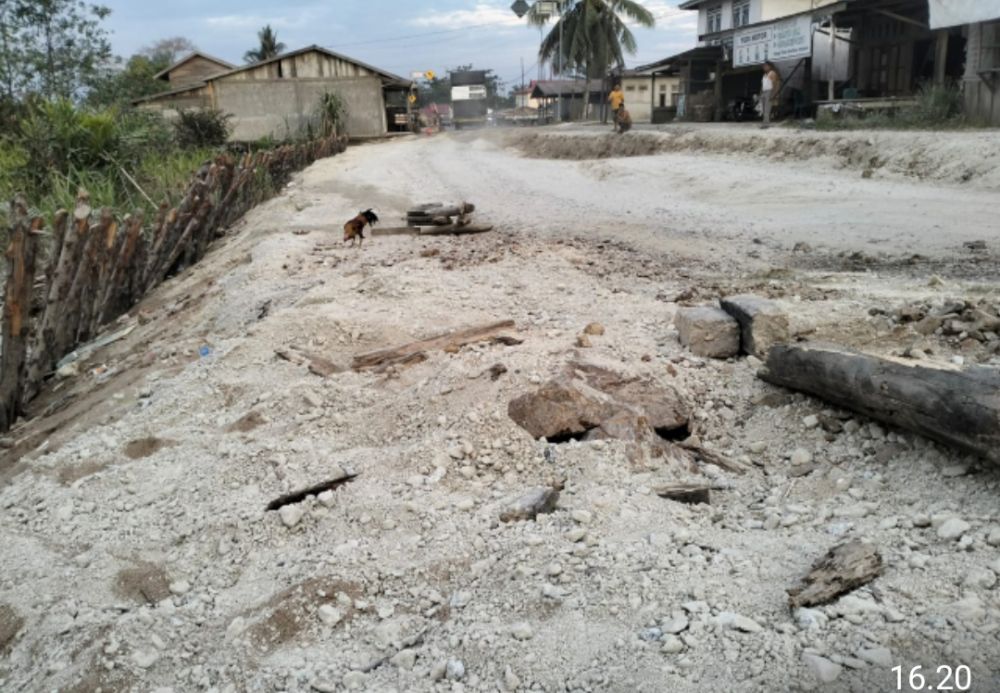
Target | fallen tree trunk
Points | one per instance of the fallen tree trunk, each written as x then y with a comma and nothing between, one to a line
446,341
454,230
952,406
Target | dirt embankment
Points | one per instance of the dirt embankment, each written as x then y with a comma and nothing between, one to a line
952,157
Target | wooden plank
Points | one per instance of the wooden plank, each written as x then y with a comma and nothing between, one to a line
454,230
441,342
843,569
956,407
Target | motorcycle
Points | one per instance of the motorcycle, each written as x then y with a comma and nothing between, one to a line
745,108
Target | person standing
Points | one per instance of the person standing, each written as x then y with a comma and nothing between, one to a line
769,86
617,100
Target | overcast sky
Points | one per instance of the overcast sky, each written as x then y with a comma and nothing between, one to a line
396,35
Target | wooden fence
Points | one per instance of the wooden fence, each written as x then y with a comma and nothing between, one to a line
98,267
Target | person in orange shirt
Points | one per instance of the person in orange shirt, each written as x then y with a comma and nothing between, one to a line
617,100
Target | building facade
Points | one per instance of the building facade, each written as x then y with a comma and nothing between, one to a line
279,97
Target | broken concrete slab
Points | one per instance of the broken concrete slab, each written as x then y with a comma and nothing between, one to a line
762,323
708,331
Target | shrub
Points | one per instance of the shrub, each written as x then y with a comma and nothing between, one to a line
331,114
202,128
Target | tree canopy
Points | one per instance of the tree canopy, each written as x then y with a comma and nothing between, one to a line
270,46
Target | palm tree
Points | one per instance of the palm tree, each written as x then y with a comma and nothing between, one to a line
594,35
270,46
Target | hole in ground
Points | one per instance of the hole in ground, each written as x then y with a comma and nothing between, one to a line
300,495
561,438
675,434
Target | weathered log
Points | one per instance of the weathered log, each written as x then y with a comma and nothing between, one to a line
318,365
21,254
713,458
89,275
953,406
117,290
456,339
395,231
843,569
454,230
692,494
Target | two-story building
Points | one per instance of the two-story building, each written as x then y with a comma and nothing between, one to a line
872,53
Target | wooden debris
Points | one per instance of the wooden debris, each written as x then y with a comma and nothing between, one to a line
454,230
441,342
692,494
314,490
843,569
714,458
947,404
318,365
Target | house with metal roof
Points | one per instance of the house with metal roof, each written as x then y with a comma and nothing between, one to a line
279,97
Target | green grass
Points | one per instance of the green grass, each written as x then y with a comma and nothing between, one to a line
936,108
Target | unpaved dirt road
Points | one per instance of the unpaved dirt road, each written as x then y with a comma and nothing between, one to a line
138,553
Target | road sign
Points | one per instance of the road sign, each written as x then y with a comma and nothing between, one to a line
430,74
412,98
520,8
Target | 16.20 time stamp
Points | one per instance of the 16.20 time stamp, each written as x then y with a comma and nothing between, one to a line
944,678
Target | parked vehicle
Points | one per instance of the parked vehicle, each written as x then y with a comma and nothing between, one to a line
744,108
468,98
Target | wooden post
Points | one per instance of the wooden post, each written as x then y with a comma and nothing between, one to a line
720,106
940,57
832,85
21,255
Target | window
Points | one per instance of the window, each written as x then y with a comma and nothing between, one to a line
741,13
714,24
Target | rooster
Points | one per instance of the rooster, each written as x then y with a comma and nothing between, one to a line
354,230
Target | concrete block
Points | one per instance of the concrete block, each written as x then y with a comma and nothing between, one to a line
762,323
708,331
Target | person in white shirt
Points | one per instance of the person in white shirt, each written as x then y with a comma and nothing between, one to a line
768,89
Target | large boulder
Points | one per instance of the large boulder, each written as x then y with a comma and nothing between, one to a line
561,409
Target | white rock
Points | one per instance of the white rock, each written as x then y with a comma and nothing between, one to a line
800,456
324,686
404,659
554,569
329,614
326,498
671,644
355,680
291,515
582,516
727,619
143,659
981,578
825,670
758,446
879,656
180,587
455,670
953,529
810,619
993,537
955,470
510,682
811,421
522,631
675,625
995,566
970,608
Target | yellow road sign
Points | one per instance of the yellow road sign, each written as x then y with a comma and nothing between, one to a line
413,98
430,74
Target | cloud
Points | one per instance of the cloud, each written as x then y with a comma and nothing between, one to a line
482,13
